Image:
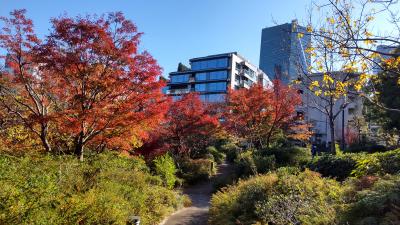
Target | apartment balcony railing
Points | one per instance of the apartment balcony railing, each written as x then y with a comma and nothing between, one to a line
178,91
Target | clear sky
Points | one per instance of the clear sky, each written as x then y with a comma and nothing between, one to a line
177,30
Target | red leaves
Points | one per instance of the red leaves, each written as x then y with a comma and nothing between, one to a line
257,114
89,76
188,129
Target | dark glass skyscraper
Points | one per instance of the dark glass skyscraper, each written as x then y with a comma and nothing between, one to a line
282,53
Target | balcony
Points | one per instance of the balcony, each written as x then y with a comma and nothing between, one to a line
177,91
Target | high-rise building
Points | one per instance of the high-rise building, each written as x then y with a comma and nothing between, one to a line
211,76
282,53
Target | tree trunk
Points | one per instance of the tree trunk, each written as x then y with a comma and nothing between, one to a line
79,147
332,129
43,138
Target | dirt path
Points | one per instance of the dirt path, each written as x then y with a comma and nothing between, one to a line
200,195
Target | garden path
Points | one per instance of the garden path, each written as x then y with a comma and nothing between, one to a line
200,194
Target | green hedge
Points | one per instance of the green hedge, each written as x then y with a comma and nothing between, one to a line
289,156
195,170
104,189
372,200
284,197
357,164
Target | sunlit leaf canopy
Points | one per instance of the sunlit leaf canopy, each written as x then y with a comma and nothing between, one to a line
345,38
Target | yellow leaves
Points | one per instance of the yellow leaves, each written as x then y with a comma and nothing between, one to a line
368,34
398,81
331,20
357,86
362,80
309,29
297,81
318,92
344,52
309,50
314,84
328,43
364,66
369,18
320,67
328,79
300,35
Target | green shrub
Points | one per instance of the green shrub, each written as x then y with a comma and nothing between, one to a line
245,165
372,200
264,164
357,164
289,156
105,189
164,166
277,198
231,150
251,163
219,157
339,167
378,163
369,148
194,170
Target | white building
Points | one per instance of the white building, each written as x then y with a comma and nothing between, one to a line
211,76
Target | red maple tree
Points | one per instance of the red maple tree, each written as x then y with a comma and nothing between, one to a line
108,92
187,130
258,115
24,89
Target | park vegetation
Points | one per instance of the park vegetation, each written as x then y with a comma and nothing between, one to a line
88,137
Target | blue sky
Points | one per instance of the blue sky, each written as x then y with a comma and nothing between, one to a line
177,30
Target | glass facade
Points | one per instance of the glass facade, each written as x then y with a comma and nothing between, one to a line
215,75
218,75
210,64
182,78
280,47
176,97
218,86
211,87
201,76
213,97
200,87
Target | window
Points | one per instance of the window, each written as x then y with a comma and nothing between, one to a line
200,87
216,97
219,86
176,98
201,76
238,67
218,75
222,62
180,78
210,64
203,98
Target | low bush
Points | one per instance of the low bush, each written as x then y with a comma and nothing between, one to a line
195,170
372,200
245,164
231,150
339,167
251,163
284,197
219,157
369,148
105,189
357,164
164,166
289,156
